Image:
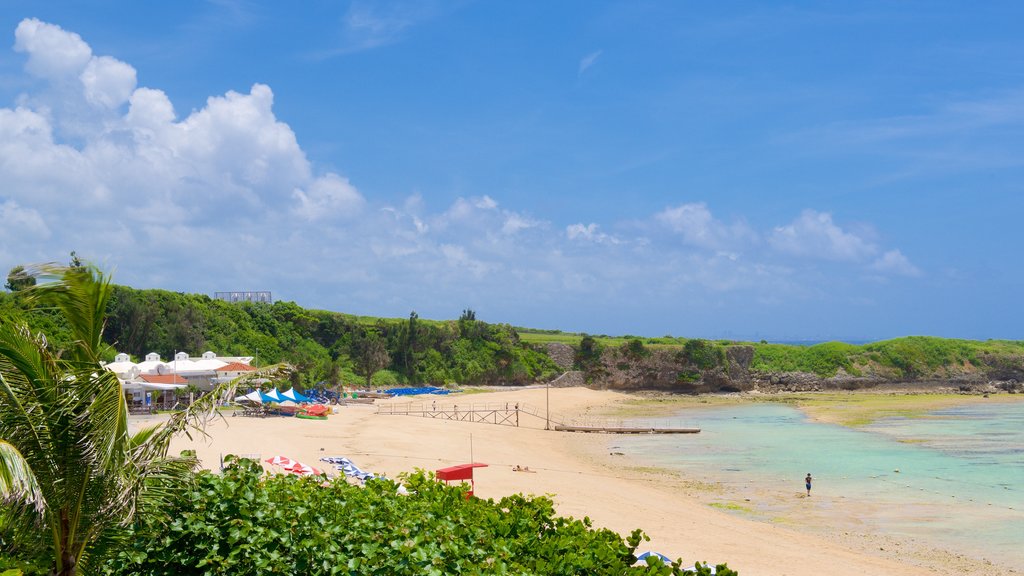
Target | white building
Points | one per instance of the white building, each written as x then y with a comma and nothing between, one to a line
186,371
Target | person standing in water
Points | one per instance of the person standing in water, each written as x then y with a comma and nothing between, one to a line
807,482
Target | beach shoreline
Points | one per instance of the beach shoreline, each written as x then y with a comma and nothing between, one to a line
583,478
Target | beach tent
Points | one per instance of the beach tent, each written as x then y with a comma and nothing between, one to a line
460,472
272,396
294,396
250,397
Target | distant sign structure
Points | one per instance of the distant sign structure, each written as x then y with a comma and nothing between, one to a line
245,296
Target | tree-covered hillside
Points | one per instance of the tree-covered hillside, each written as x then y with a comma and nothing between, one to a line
325,346
338,348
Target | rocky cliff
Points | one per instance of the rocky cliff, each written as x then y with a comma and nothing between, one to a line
677,371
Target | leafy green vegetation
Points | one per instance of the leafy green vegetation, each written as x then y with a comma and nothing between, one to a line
71,475
324,346
702,354
335,348
822,359
244,522
82,495
910,357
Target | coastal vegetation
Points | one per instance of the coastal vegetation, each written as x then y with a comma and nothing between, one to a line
82,494
242,521
905,358
332,348
72,477
327,348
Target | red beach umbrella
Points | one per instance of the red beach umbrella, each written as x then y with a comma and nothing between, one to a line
302,469
282,461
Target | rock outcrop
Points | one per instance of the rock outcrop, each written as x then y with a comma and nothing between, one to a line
563,355
672,370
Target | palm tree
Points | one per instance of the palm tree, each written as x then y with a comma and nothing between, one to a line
72,477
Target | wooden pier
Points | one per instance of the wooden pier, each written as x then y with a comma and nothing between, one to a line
625,429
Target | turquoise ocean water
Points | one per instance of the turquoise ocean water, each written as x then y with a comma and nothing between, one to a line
953,480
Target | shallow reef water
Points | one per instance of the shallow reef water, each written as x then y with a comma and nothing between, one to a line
951,480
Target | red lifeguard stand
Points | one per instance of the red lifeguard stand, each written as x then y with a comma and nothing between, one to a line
460,472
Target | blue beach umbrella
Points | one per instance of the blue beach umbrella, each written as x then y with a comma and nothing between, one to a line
643,557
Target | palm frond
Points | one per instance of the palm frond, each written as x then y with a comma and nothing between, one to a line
71,476
81,294
17,482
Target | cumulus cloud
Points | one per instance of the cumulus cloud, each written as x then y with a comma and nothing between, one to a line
52,52
18,221
695,224
108,83
329,196
224,197
484,215
588,233
231,155
516,222
814,235
894,262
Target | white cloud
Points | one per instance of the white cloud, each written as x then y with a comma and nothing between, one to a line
21,222
894,262
52,52
108,82
458,257
328,196
149,110
369,25
699,228
225,197
516,222
588,233
814,235
588,61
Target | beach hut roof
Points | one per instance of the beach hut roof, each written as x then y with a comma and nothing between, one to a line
236,367
163,379
460,472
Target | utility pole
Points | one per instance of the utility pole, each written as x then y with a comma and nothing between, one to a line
547,406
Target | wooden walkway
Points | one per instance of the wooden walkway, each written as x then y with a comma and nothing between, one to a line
512,413
501,414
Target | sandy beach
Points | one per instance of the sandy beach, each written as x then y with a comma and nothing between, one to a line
580,475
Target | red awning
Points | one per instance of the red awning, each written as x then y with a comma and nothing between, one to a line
460,472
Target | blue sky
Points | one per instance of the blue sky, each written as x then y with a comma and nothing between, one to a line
729,169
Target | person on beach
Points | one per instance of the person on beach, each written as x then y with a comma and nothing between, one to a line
807,482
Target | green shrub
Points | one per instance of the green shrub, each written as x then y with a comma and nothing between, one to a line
702,354
243,522
822,359
385,378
